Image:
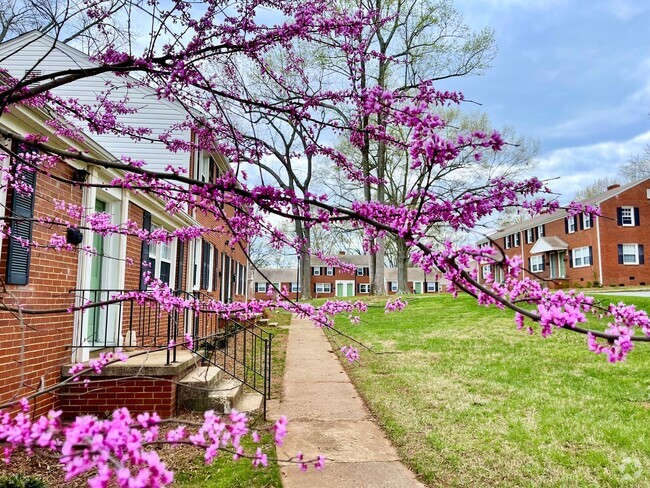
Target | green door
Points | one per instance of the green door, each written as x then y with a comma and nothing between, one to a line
96,268
339,289
350,290
417,287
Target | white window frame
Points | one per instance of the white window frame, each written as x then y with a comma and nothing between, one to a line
571,225
507,242
635,254
196,271
540,231
315,270
295,287
579,256
260,286
587,221
630,217
360,271
324,287
537,264
393,286
486,269
211,280
156,252
278,287
515,240
530,236
364,287
329,271
432,286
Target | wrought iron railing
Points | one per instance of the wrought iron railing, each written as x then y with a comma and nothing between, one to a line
240,348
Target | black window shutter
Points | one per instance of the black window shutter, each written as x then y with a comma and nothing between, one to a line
144,251
591,256
205,265
581,217
570,259
619,215
536,233
18,256
180,262
530,264
313,270
620,254
542,263
215,270
641,258
566,226
543,230
636,216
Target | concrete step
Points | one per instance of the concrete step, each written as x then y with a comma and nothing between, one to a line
251,403
225,395
262,321
194,389
272,324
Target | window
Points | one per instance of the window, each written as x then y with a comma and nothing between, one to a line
295,287
206,266
359,271
571,225
393,286
315,270
196,275
364,287
529,236
587,221
487,269
277,287
515,239
160,260
261,287
540,231
581,257
330,271
536,264
506,241
626,216
323,288
432,286
630,254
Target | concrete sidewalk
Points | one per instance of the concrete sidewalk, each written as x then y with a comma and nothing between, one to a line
326,416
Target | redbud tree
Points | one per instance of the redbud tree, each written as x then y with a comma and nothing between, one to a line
190,56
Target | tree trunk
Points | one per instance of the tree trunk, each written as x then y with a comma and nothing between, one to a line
304,260
403,261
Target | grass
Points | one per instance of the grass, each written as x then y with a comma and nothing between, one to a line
470,401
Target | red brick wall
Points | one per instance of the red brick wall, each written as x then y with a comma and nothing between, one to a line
339,275
52,277
137,394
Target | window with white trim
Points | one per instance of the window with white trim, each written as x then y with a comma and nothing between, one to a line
364,287
530,236
323,288
196,270
507,242
295,287
571,224
515,239
359,271
486,270
315,270
581,257
587,221
432,286
536,264
260,286
630,254
160,259
277,287
393,286
540,230
211,285
627,216
330,271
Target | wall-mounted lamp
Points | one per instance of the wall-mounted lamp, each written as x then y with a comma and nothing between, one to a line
74,237
79,175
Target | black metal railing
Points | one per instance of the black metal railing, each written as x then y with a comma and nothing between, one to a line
240,348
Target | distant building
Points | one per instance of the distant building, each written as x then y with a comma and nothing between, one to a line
568,251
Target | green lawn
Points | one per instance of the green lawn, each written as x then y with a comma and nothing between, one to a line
470,401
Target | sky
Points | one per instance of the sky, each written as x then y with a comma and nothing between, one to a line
572,74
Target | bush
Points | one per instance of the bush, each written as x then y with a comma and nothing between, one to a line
20,481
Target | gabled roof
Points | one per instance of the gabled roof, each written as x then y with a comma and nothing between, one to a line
275,275
560,214
356,259
546,244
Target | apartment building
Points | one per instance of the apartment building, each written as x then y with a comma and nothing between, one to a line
568,251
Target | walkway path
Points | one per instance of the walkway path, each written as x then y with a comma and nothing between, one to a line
326,416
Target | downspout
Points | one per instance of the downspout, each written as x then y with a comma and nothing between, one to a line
600,256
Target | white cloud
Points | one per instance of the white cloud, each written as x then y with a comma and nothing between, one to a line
577,167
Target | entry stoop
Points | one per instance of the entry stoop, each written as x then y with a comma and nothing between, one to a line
205,389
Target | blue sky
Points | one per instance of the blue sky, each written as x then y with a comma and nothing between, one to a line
574,75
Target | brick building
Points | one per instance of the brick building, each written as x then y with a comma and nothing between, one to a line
573,251
32,352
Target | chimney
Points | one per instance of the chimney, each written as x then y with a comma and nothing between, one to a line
341,253
611,187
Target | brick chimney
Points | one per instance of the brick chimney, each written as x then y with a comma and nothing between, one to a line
611,187
341,253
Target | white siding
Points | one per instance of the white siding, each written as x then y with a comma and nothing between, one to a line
158,115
